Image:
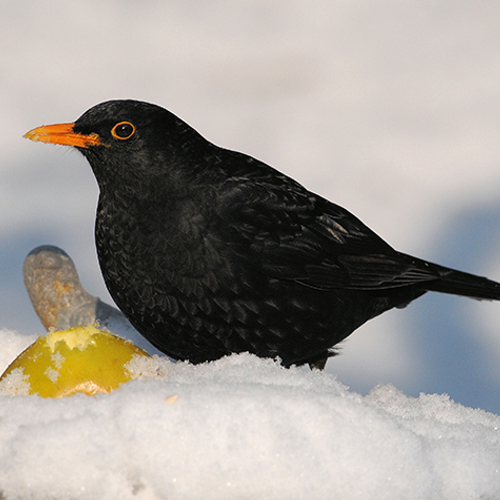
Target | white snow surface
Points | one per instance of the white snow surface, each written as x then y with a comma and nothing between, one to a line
244,428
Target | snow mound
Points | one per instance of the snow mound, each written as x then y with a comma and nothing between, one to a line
246,428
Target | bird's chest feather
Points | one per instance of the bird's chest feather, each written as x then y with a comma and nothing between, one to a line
165,246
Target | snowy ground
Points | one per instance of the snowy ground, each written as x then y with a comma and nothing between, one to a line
389,108
245,428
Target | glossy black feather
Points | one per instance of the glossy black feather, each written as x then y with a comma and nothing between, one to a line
209,251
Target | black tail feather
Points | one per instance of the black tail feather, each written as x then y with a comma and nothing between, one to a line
468,285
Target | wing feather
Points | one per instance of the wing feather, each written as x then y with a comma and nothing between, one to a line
291,234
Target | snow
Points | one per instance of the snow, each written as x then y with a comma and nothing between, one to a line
246,428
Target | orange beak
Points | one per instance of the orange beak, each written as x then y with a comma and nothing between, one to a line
63,134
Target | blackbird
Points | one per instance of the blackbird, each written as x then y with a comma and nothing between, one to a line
209,252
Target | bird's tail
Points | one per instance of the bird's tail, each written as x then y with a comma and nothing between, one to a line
460,283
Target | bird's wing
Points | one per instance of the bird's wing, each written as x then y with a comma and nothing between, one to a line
291,234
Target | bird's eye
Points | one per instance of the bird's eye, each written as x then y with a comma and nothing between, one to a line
123,130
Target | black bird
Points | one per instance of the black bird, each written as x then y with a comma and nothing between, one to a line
209,251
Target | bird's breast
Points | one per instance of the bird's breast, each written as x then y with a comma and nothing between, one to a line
166,250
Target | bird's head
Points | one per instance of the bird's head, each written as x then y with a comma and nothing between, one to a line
128,140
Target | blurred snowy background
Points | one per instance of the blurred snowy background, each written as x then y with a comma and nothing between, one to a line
390,109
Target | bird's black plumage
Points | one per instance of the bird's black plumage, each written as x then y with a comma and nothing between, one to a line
209,252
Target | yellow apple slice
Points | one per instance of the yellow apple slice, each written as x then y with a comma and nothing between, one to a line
80,359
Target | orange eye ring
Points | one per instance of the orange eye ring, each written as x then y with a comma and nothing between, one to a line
123,131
